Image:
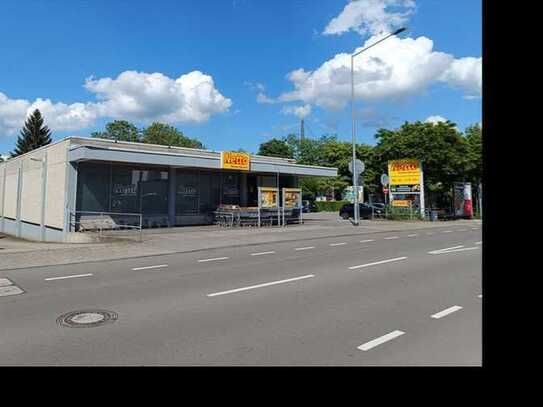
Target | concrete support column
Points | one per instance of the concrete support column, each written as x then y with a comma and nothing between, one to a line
69,196
243,187
43,195
19,195
3,203
172,194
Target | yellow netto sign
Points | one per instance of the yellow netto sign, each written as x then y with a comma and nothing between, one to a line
235,161
402,203
404,172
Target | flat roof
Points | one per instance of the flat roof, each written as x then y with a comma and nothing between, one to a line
95,149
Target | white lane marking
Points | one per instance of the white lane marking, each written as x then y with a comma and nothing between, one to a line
337,244
447,311
378,341
391,237
72,276
414,234
5,282
214,259
260,285
447,231
444,250
455,250
305,248
377,262
480,296
262,253
480,242
474,228
367,240
150,267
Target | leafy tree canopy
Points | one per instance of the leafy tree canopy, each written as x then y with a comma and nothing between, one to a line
164,134
119,130
34,134
276,148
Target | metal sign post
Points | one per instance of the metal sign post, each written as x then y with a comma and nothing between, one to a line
356,167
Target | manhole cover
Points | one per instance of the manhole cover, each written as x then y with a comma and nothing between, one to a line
86,319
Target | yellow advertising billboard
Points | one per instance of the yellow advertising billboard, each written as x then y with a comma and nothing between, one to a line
404,172
235,161
268,197
292,197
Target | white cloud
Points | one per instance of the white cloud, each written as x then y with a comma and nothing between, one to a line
371,16
395,69
136,96
299,111
147,97
59,116
435,119
263,99
466,74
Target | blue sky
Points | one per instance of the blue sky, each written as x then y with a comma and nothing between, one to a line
228,72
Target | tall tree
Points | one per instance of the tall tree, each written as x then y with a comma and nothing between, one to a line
119,130
34,134
166,135
276,148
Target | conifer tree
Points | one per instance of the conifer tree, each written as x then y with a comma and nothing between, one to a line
33,135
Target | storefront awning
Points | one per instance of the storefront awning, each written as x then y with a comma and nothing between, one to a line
136,153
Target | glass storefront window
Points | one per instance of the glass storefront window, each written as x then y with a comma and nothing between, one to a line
230,189
187,192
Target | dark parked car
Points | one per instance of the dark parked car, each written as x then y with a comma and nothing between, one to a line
308,206
366,211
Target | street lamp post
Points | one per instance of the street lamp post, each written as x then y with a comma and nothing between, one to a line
355,175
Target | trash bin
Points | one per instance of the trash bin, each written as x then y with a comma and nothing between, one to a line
433,216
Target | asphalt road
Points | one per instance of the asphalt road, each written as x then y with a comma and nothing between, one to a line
381,299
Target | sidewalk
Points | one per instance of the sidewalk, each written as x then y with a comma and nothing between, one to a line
15,253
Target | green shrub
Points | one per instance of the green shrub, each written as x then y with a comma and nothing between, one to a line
329,206
398,213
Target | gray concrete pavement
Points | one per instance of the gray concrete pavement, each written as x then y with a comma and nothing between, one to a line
16,253
319,316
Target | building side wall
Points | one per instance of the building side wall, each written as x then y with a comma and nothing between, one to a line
24,179
56,185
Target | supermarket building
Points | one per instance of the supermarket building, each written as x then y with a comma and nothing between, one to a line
41,192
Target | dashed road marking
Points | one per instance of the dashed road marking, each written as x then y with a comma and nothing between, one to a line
262,253
480,296
367,240
5,282
447,311
382,339
480,242
304,248
65,277
454,251
261,285
376,263
10,290
338,244
150,267
391,237
213,259
444,250
447,231
413,235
